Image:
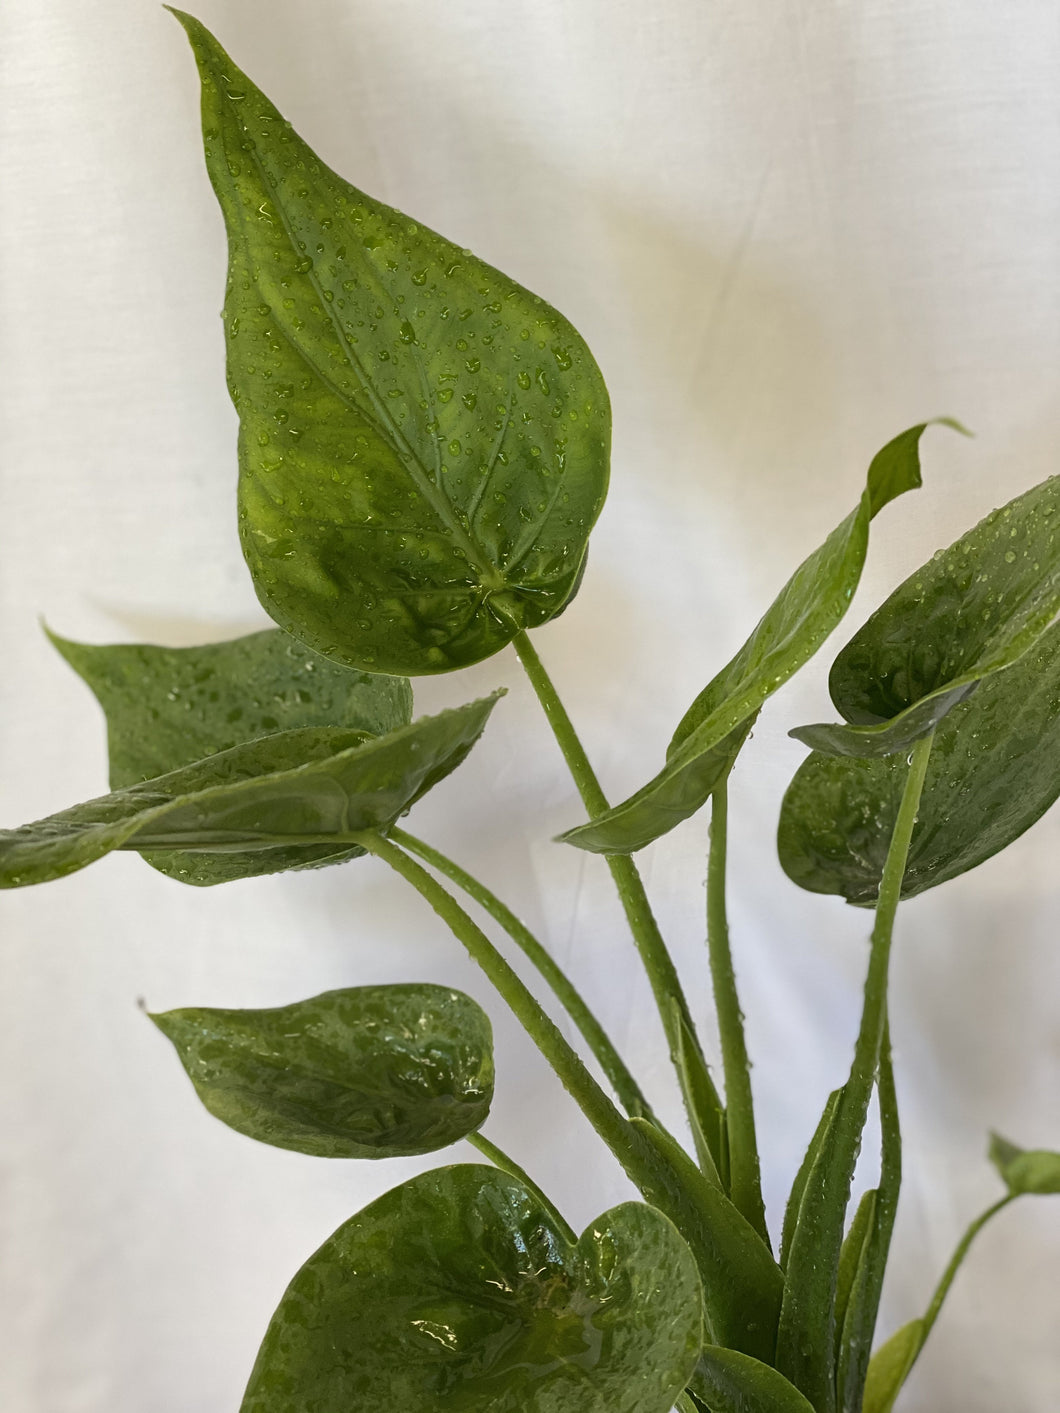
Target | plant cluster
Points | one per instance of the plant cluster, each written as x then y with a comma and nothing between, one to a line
423,452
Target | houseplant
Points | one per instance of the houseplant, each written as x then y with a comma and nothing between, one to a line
32,857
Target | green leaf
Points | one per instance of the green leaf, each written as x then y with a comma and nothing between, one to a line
170,707
366,1072
805,612
970,612
457,1290
726,1381
858,1308
994,771
890,1366
798,1187
742,1284
1025,1170
423,443
294,799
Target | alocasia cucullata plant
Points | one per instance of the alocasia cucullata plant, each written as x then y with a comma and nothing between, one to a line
423,452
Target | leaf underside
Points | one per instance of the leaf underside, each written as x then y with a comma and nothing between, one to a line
291,799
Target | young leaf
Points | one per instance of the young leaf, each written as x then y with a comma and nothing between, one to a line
423,443
742,1284
805,612
291,800
890,1366
856,1312
367,1072
971,611
458,1290
726,1381
798,1187
1025,1170
170,707
994,771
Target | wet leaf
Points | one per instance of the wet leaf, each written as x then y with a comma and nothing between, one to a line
423,443
457,1290
728,1382
994,771
366,1072
170,707
970,612
742,1284
295,797
805,612
1025,1170
890,1366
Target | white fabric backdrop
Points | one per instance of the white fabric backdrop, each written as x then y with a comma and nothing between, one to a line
787,230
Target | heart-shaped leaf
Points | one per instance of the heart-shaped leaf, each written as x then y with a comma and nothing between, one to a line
457,1290
726,1381
1025,1170
367,1072
170,707
889,1367
296,797
423,443
804,613
994,770
970,612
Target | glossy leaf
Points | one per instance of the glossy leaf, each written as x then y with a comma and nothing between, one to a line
1025,1170
366,1072
423,443
742,1284
726,1381
295,797
994,771
970,612
170,707
890,1366
805,612
457,1290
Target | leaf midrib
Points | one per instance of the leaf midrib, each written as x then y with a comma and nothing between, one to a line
435,496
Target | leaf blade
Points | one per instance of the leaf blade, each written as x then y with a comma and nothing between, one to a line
804,613
363,1072
432,441
311,787
428,1297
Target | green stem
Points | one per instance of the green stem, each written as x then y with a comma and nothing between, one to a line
943,1288
623,1083
500,1159
745,1182
567,1063
806,1337
658,964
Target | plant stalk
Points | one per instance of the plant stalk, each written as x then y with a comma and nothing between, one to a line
567,1063
943,1287
658,964
501,1160
597,1039
745,1182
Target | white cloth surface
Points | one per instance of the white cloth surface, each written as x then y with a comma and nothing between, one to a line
787,230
